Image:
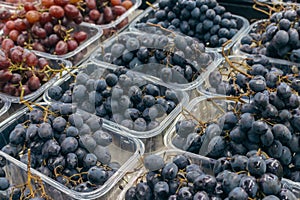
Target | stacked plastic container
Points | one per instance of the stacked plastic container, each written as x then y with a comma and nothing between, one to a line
204,62
153,138
254,28
124,149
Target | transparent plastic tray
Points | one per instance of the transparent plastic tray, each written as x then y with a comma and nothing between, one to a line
237,47
54,64
97,57
4,105
17,3
204,88
116,25
148,13
201,108
124,150
83,51
153,139
205,163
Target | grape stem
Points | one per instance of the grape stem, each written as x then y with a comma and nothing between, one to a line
229,61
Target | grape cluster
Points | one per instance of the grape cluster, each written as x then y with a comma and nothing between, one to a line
12,189
119,96
50,28
104,12
204,20
277,38
238,177
179,61
269,122
67,145
252,75
22,70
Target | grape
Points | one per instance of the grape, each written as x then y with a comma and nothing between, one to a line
56,11
153,162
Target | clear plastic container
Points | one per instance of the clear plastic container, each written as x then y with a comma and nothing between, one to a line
206,164
153,138
205,67
121,22
242,24
252,28
83,51
18,3
4,106
54,64
124,150
206,89
201,108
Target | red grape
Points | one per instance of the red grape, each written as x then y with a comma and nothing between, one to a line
31,59
34,83
33,16
16,56
118,10
25,88
41,33
5,75
61,2
80,36
78,19
9,88
29,6
7,44
38,47
94,15
115,2
71,11
91,4
13,34
72,45
16,78
56,11
4,61
61,48
45,17
127,4
47,3
21,40
53,40
108,14
20,25
48,28
10,25
43,62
